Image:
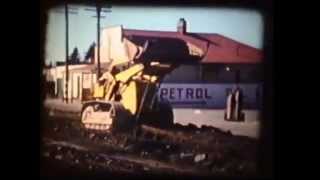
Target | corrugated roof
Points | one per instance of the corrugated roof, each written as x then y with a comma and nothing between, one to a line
216,48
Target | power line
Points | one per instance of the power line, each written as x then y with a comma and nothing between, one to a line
99,8
74,10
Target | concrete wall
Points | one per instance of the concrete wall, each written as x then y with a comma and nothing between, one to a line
77,82
114,47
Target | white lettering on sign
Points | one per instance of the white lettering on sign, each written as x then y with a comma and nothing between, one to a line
207,95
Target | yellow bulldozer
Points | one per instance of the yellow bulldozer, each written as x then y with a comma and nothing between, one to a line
126,94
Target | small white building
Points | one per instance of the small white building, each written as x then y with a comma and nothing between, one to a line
81,80
82,77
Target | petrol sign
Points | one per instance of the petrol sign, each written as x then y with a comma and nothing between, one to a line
207,95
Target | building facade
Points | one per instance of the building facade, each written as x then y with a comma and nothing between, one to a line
224,64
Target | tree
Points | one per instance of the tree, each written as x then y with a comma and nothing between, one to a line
90,52
75,56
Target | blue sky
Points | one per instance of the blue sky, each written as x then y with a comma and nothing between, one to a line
245,26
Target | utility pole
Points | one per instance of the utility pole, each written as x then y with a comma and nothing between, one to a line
67,52
66,12
98,10
98,38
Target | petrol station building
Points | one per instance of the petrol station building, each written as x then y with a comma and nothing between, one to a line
224,63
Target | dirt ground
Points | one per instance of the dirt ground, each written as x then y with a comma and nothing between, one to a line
69,149
209,117
215,117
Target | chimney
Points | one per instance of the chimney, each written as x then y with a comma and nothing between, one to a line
182,26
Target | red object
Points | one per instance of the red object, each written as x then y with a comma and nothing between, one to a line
217,48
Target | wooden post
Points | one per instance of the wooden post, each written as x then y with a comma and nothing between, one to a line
98,38
72,84
67,52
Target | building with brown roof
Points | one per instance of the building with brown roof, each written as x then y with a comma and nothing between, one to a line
221,57
206,58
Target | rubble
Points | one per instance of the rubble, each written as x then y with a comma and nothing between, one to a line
109,162
184,155
51,113
146,168
46,154
59,157
207,164
199,157
204,150
91,135
56,129
144,153
173,157
129,148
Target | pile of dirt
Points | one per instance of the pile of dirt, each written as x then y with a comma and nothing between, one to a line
178,150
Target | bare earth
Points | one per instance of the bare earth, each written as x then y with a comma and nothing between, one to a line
210,117
69,149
